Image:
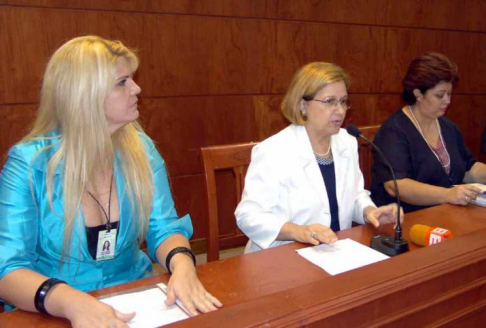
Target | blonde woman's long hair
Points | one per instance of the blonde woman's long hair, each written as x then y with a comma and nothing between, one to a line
78,78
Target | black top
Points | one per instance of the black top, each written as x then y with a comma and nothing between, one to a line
329,176
92,237
411,157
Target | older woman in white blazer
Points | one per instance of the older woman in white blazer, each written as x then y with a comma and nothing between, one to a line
304,183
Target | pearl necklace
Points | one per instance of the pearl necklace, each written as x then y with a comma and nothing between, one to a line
327,152
440,137
324,161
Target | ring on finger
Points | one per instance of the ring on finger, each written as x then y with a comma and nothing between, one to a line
467,199
312,234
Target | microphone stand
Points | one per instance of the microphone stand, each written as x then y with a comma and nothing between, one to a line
382,243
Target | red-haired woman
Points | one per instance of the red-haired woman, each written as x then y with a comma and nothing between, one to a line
427,150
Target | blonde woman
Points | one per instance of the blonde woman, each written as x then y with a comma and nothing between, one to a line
85,176
304,183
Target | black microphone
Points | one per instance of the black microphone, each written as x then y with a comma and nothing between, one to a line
385,244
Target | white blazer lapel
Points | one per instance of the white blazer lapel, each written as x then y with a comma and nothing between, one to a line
342,162
310,166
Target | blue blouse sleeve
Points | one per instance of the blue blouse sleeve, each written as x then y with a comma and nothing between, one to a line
164,221
18,215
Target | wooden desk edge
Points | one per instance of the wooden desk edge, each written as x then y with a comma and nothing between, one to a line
372,294
385,293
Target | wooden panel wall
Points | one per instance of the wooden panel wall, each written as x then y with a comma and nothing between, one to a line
214,71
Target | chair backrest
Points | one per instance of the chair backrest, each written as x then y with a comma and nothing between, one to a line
365,155
236,158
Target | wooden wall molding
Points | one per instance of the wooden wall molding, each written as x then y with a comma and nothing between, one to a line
252,57
430,14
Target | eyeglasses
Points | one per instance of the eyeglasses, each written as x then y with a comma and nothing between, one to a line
333,103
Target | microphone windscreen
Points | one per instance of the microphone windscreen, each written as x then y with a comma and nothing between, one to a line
419,234
353,130
423,235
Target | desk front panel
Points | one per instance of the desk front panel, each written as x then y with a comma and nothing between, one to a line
250,280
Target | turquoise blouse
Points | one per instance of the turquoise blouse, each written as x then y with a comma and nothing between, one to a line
31,232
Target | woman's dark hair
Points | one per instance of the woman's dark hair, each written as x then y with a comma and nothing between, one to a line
425,72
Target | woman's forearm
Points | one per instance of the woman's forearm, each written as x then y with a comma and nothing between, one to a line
417,193
169,244
20,286
288,231
476,174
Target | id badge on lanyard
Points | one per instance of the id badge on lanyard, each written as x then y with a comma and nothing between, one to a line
105,249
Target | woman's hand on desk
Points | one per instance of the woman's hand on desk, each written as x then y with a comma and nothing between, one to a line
314,234
382,214
81,309
185,286
93,313
462,194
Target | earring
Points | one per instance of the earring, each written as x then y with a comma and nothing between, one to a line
302,109
417,94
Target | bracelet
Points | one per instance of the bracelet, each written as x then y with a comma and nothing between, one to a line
40,295
175,251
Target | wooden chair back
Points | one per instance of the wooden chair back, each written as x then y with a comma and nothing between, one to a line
236,158
365,154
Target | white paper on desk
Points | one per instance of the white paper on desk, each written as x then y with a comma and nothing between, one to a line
149,306
342,256
481,198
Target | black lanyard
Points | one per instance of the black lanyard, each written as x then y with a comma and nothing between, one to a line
108,216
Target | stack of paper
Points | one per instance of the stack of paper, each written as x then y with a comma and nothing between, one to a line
149,306
342,256
481,199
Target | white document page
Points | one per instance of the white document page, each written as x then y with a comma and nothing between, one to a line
481,199
342,256
149,306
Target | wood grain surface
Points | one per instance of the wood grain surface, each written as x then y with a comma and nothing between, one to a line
214,72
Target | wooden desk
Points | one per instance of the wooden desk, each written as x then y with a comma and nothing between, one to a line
443,284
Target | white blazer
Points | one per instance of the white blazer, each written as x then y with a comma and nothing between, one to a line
284,184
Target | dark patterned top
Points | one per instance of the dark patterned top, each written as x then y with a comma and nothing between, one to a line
411,157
